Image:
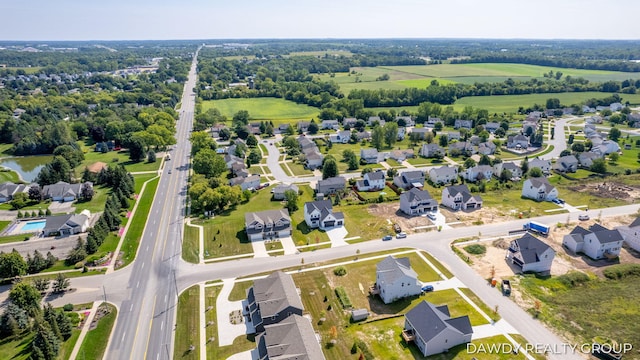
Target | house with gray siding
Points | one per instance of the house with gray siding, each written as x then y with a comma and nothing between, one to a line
597,242
267,224
331,185
289,339
272,299
530,254
417,202
432,329
395,279
409,179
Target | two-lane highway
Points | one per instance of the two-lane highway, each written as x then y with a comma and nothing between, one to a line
144,329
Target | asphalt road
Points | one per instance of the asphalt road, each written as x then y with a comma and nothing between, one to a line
144,329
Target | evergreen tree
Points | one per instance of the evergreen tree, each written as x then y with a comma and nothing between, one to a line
49,315
91,247
36,263
64,324
51,260
45,344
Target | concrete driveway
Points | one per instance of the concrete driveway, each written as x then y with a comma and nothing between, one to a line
337,235
227,331
58,207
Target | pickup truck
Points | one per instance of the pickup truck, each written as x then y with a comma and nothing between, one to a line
506,287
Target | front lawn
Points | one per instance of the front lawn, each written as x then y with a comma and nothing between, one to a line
95,344
138,222
187,331
214,351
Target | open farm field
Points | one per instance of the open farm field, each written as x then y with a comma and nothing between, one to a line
510,103
322,53
263,108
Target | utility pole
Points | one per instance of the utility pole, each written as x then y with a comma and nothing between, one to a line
104,293
175,283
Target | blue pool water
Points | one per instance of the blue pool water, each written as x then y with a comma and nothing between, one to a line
34,225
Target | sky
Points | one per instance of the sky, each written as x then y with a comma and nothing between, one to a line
256,19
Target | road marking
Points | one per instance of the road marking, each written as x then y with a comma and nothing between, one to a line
131,308
138,284
162,325
123,334
165,298
147,248
142,266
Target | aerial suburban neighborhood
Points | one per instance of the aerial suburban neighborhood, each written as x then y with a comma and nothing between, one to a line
320,199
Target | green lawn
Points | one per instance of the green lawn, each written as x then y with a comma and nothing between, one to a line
138,222
9,176
17,348
190,244
67,347
13,238
214,351
96,204
95,344
113,158
278,110
187,331
596,308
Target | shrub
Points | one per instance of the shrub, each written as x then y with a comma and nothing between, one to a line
573,278
365,349
475,249
622,271
340,271
68,307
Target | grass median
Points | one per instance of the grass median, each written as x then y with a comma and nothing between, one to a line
138,222
95,342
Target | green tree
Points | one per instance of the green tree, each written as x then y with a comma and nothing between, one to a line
350,158
535,172
208,163
12,264
46,344
19,201
377,137
201,140
614,134
25,296
61,283
254,157
443,141
484,160
241,118
151,156
313,127
505,175
329,168
524,165
292,200
390,133
136,149
252,141
613,157
598,166
577,147
73,155
469,163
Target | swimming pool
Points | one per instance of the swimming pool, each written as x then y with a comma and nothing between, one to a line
33,225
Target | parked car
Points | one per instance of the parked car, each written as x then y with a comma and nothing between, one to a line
427,288
397,228
401,235
387,238
431,216
583,217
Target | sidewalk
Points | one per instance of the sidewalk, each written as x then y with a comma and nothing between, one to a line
85,329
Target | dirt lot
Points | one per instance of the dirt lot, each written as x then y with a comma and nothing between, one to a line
563,262
611,190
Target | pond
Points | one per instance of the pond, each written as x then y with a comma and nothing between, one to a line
27,167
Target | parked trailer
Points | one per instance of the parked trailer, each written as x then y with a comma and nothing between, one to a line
541,229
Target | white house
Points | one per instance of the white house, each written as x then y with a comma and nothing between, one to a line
400,155
267,224
433,330
491,127
444,174
246,183
417,202
464,124
631,234
479,172
319,214
539,189
63,191
395,279
278,191
421,132
373,181
544,165
340,137
597,243
64,225
530,254
9,189
459,197
586,158
517,142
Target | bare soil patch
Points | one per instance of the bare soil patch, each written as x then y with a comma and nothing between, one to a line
610,190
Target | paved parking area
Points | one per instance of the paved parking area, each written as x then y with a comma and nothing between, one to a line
57,207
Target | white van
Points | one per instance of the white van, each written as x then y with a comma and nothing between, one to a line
401,235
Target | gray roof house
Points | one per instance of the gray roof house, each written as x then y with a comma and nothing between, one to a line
417,202
453,135
272,299
479,172
341,137
373,181
458,197
422,132
433,330
544,165
8,189
530,254
267,224
395,279
401,155
431,150
408,120
370,156
539,189
319,214
568,163
246,183
487,148
444,174
597,243
516,171
349,122
517,142
586,158
289,339
409,179
491,127
330,124
331,185
303,126
464,124
375,119
461,147
64,225
280,189
63,191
